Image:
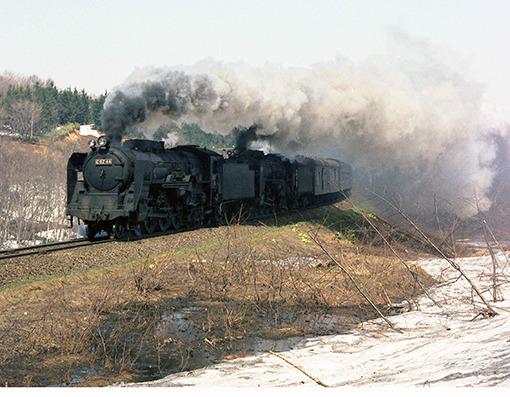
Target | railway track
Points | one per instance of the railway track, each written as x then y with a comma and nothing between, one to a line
83,241
80,242
49,247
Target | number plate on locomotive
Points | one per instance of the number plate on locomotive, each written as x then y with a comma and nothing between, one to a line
104,161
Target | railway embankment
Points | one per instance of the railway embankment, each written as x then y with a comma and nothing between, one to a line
139,310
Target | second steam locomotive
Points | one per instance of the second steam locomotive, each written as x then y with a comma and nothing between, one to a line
140,187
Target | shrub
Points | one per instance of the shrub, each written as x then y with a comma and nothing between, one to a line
61,132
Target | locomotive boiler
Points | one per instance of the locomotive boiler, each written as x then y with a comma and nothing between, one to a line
139,187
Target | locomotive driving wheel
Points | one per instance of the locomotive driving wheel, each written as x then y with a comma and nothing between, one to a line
196,217
149,225
164,223
163,206
119,229
136,229
177,217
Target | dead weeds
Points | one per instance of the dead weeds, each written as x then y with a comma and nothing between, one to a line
191,307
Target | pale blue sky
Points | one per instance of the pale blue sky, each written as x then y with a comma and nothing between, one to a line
96,44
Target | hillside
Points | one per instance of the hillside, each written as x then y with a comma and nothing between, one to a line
32,192
139,310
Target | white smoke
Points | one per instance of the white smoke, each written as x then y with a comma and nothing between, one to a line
171,140
407,122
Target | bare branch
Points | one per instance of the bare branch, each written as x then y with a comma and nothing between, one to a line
490,310
298,368
397,255
356,284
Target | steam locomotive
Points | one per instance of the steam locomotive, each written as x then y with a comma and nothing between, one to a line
139,187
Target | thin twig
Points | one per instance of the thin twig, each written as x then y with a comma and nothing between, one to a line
497,243
353,280
494,263
413,274
490,310
299,368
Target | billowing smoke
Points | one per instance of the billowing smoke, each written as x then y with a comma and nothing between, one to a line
175,96
408,123
122,112
245,136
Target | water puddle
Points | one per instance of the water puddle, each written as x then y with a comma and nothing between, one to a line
481,245
186,343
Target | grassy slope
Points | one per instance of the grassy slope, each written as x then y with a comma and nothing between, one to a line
241,282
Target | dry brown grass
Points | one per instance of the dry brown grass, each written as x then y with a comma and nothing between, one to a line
232,288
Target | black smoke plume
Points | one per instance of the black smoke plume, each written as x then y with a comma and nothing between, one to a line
245,136
176,95
408,122
123,112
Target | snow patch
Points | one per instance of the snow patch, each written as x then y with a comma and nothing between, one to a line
86,130
451,345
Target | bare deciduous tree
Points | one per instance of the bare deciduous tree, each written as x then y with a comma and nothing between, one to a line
25,116
32,192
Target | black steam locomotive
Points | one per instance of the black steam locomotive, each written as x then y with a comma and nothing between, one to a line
140,187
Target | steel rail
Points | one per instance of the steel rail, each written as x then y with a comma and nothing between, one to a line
48,247
83,241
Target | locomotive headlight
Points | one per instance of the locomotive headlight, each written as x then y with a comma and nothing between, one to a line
102,141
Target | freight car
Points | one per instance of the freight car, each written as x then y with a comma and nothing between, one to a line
140,187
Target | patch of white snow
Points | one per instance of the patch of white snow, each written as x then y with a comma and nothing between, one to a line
86,130
451,345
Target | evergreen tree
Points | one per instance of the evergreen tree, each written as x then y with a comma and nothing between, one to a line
97,110
85,113
47,96
46,103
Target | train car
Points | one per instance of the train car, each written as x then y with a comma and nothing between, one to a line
321,180
271,181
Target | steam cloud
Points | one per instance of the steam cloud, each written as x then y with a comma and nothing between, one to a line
407,122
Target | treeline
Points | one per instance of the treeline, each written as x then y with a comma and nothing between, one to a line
192,134
32,108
